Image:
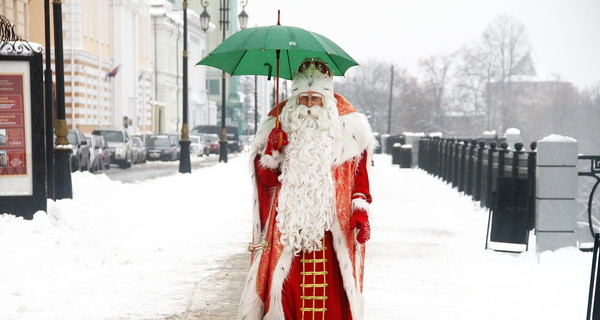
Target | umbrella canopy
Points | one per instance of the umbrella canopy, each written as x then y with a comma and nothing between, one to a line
253,51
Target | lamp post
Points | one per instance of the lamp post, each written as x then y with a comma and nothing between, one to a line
185,165
224,25
48,105
63,187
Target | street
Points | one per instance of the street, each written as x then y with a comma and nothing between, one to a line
156,169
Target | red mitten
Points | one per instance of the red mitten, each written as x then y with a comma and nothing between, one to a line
360,220
274,143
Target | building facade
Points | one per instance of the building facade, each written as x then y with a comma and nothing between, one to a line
167,30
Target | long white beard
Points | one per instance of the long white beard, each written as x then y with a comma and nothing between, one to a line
306,207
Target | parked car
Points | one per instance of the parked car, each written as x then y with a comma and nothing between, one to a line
80,158
105,152
198,146
94,154
213,143
233,139
138,150
99,154
119,145
161,147
176,136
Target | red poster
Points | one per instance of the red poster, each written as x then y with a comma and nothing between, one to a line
13,160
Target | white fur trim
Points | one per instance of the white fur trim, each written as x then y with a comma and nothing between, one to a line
312,80
351,285
356,137
361,203
251,306
271,161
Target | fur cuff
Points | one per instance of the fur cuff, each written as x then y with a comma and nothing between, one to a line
271,161
360,203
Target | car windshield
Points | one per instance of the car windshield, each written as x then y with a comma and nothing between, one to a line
194,139
158,142
113,136
72,138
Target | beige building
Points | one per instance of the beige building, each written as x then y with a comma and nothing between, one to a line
17,11
107,62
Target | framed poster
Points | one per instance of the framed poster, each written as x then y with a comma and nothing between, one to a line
15,129
22,135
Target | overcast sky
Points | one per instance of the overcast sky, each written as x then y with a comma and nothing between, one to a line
564,34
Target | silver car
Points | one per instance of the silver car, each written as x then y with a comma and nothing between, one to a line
119,145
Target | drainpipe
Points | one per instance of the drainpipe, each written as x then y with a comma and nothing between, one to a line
98,96
72,66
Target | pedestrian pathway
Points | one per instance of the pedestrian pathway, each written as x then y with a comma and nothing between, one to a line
427,260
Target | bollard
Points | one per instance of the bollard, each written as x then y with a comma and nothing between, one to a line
556,192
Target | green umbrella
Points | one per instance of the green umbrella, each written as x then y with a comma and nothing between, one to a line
254,51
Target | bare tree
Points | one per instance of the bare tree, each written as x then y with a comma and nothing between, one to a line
474,71
505,41
367,87
436,71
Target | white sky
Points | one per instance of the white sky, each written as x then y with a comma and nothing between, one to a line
565,34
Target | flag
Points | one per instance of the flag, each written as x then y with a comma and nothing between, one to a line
112,73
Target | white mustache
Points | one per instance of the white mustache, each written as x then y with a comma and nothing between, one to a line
314,112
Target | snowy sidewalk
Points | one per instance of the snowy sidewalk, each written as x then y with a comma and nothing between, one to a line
148,250
426,259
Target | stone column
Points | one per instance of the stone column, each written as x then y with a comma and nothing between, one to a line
556,192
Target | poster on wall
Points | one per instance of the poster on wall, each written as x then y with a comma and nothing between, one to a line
15,136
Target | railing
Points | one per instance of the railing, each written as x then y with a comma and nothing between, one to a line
474,167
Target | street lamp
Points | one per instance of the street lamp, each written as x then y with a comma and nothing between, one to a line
204,16
224,25
63,188
185,165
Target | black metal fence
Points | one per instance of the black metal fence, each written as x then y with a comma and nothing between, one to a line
478,168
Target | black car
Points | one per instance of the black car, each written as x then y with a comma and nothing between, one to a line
161,147
80,158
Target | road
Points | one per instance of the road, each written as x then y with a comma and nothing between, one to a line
156,169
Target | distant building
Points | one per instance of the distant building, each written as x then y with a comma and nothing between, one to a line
537,108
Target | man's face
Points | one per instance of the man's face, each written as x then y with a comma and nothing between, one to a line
310,99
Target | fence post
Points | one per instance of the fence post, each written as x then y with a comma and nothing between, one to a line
489,191
463,165
531,160
556,192
478,172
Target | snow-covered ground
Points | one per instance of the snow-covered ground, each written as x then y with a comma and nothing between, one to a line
136,251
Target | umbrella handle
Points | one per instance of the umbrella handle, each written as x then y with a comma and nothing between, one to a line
277,124
270,70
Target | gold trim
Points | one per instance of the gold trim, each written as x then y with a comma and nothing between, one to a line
314,309
61,130
185,132
314,285
314,273
314,297
312,260
264,245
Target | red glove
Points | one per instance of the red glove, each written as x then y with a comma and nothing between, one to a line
273,141
360,220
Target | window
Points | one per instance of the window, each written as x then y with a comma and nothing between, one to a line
213,87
